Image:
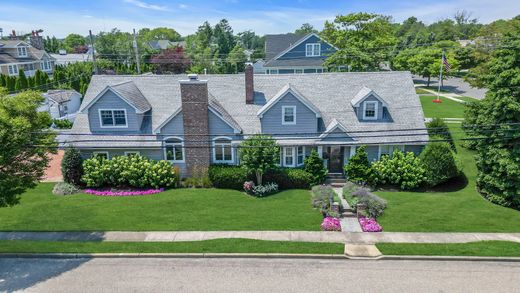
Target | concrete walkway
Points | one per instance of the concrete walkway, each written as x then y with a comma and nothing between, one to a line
301,236
348,224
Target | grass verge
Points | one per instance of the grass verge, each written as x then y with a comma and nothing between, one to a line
481,248
206,246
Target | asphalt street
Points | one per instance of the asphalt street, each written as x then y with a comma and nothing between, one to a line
254,275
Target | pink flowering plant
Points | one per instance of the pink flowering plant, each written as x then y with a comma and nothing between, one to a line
248,187
330,224
110,192
369,225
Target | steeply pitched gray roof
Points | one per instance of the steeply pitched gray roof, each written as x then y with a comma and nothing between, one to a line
331,93
274,44
60,96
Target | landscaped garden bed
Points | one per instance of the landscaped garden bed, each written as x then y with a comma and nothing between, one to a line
128,192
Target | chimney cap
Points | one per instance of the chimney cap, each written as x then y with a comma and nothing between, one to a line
193,78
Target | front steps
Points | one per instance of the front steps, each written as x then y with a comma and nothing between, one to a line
335,179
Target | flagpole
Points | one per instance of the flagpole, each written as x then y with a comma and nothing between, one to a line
438,100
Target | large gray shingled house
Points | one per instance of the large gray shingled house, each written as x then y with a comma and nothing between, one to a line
194,121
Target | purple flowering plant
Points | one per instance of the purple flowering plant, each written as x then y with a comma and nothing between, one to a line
331,224
369,225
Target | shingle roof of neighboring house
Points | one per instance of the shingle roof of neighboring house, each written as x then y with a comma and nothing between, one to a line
275,44
132,95
160,44
214,103
60,96
33,54
331,93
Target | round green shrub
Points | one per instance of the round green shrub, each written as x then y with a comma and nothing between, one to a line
358,169
440,163
229,177
403,170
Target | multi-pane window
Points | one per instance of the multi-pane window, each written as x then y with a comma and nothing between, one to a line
22,51
12,69
100,155
289,115
113,118
313,49
46,65
222,151
370,110
174,150
132,153
300,155
288,156
388,150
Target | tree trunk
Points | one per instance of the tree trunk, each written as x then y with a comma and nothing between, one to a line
428,83
259,178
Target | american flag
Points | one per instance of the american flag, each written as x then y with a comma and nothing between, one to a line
447,65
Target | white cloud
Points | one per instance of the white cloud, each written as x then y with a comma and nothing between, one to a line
145,5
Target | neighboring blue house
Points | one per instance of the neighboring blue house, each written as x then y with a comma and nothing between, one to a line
292,53
195,122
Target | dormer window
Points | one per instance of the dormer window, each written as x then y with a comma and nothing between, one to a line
288,115
312,50
22,51
112,118
370,110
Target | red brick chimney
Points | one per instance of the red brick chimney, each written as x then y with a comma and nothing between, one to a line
250,87
194,98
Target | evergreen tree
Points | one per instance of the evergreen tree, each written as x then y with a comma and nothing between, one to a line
22,80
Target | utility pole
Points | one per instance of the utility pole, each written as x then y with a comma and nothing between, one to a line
93,51
136,50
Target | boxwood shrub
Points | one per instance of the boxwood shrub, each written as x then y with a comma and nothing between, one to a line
233,177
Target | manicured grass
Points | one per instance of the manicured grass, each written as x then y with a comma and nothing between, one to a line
435,89
206,246
419,91
482,248
457,208
446,109
175,210
467,99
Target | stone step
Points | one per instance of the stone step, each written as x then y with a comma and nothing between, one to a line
338,185
335,175
348,214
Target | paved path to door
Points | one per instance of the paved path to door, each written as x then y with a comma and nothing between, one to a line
302,236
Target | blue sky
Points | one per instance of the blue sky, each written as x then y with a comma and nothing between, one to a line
61,17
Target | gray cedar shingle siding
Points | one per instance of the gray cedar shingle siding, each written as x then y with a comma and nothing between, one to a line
111,101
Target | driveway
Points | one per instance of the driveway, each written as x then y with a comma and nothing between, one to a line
254,275
455,85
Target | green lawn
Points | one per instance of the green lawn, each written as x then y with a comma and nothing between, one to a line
482,248
419,91
435,89
467,99
172,210
446,109
207,246
460,210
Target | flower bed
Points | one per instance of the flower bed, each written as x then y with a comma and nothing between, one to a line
331,224
369,225
110,192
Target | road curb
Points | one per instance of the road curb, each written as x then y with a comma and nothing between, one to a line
171,255
448,258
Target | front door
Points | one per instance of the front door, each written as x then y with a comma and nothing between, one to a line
335,159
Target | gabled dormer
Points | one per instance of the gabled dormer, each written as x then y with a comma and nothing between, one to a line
289,112
118,108
369,106
22,50
309,46
335,131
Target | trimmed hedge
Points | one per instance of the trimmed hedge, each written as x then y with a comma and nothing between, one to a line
233,177
228,177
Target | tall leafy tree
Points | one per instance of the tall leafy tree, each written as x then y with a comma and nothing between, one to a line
21,81
259,154
498,154
159,33
114,45
172,60
364,40
73,41
25,144
237,58
306,28
223,34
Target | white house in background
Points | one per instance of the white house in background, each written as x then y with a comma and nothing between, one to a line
64,58
61,104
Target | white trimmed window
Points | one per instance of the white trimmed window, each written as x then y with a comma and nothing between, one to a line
112,118
102,155
288,115
12,69
288,157
222,150
132,153
174,150
388,150
370,110
22,51
300,155
312,50
46,65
